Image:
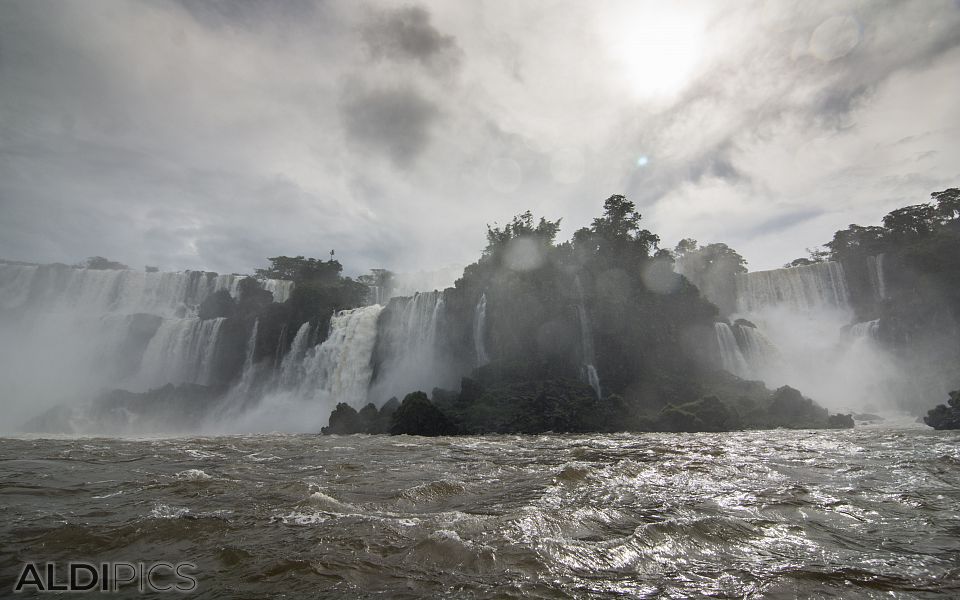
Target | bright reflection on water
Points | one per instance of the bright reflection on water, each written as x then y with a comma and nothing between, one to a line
869,513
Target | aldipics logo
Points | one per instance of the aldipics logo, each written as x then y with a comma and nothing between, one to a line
107,577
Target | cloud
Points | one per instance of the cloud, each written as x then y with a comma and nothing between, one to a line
407,34
396,122
214,134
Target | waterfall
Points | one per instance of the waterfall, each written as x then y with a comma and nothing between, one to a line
374,294
182,351
60,288
730,354
806,288
803,337
340,368
291,368
409,355
757,349
594,380
102,329
280,288
415,328
311,379
865,330
251,346
15,284
586,342
248,374
878,280
479,330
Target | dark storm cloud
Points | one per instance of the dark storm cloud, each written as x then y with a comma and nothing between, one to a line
396,122
407,34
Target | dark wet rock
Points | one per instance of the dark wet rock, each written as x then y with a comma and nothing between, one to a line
945,416
418,416
343,420
840,421
705,414
218,304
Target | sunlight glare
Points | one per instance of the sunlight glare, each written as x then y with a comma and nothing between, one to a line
657,49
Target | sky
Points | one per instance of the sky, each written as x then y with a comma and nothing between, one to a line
211,135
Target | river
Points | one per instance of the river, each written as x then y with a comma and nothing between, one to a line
872,512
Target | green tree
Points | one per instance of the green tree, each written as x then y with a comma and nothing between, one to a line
910,221
522,225
299,269
948,203
713,269
857,240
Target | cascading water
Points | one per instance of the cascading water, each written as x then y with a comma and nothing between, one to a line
182,351
280,288
312,380
59,288
410,332
374,294
341,366
248,375
68,333
805,288
586,341
758,350
291,368
803,337
479,330
730,354
878,280
865,330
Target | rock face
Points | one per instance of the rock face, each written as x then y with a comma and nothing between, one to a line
571,406
418,416
345,419
945,417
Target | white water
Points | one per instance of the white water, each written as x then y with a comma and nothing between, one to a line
805,288
866,330
586,341
182,351
730,354
804,338
68,333
292,368
878,279
313,380
60,288
249,374
480,329
375,294
411,357
280,288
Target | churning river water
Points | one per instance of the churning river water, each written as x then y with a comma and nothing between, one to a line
867,513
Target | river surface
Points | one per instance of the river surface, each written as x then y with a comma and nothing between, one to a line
867,513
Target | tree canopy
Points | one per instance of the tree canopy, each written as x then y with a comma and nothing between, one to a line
521,226
299,269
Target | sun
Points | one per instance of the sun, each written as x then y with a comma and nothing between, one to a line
656,49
